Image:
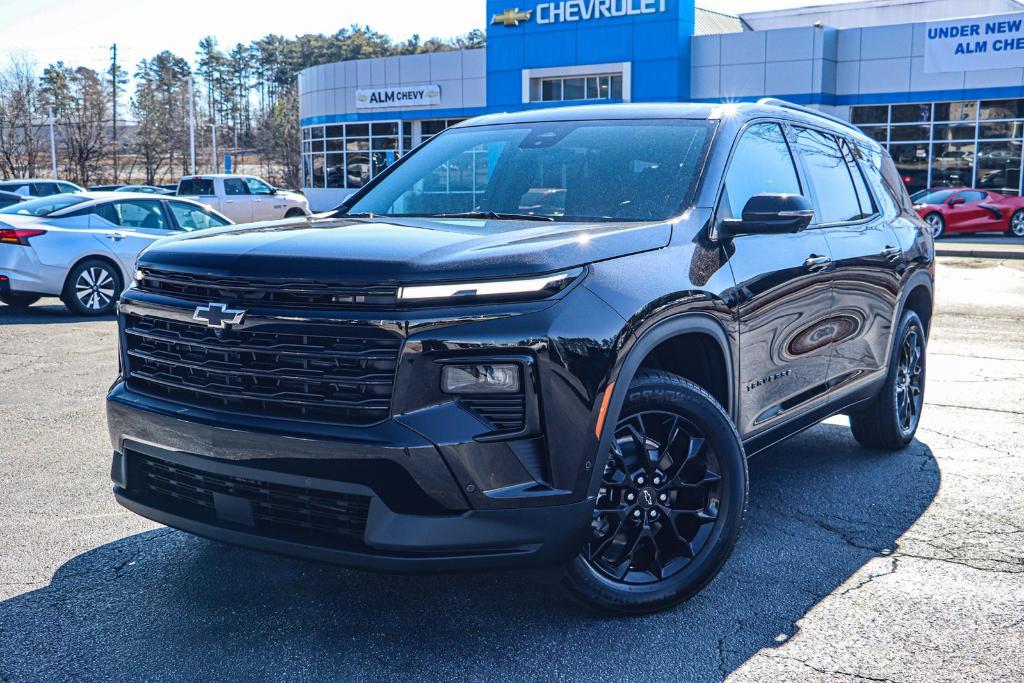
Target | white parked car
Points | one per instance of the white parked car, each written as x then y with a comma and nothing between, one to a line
82,247
38,187
243,199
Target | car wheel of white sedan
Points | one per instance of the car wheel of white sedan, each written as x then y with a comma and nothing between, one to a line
92,288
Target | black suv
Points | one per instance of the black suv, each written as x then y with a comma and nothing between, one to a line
545,337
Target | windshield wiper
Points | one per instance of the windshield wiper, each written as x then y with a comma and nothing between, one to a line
492,216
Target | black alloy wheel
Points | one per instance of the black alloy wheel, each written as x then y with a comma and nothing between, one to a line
670,503
890,420
909,385
659,499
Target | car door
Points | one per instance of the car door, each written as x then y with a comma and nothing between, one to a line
237,204
866,254
128,226
782,289
967,211
266,206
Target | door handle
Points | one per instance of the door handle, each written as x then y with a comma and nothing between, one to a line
115,236
815,263
892,254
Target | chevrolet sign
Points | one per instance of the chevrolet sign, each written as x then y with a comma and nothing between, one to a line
411,96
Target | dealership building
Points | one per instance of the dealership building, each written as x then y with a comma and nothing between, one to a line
939,82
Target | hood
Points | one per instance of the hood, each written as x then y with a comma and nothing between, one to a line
399,250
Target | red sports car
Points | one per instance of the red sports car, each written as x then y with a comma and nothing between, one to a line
965,209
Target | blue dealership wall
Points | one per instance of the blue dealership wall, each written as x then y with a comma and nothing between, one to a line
656,44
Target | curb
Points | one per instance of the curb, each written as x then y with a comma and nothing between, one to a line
981,253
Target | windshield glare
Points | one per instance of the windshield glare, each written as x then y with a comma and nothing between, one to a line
569,171
44,206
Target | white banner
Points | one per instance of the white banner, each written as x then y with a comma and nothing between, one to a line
975,44
411,96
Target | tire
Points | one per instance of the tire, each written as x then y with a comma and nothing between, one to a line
1016,224
16,300
890,420
937,224
678,506
294,213
92,288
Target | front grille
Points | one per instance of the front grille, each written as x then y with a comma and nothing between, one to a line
268,291
344,377
502,413
301,514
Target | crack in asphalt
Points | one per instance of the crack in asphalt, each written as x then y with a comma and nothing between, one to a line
831,672
983,410
955,437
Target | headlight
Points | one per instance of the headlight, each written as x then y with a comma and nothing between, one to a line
528,288
485,378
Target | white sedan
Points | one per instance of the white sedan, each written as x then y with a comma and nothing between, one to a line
82,247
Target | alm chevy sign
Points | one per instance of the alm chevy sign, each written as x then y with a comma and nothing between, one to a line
414,96
993,42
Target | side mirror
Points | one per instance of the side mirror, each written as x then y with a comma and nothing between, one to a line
956,201
273,190
771,214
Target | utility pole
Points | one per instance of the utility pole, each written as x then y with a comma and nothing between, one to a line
191,127
113,82
53,144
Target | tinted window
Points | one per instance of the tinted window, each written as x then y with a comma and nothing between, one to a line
257,186
45,189
235,186
829,175
761,163
24,189
971,196
199,187
192,217
44,206
68,187
139,213
867,207
590,170
936,197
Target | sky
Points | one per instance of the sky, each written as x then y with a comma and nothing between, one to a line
82,31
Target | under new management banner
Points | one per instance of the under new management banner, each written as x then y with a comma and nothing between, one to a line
975,44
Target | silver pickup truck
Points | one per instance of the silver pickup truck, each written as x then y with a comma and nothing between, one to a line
242,198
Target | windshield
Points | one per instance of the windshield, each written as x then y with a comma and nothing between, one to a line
44,206
569,171
934,196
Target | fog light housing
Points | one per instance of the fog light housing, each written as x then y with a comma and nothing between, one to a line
484,378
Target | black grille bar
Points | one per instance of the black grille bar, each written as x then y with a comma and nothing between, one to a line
345,377
267,291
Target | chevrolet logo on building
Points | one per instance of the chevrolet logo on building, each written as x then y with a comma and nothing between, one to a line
512,17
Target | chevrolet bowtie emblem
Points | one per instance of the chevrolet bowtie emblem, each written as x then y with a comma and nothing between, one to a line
512,17
218,315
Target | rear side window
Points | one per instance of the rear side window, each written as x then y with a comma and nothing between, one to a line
235,186
761,163
830,177
45,189
867,205
202,187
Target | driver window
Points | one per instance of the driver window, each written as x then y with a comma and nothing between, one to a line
971,196
257,186
141,214
761,163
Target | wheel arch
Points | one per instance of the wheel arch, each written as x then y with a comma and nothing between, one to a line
918,296
681,329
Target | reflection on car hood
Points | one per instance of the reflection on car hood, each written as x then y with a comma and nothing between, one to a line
401,250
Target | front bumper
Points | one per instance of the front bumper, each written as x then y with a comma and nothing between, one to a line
416,517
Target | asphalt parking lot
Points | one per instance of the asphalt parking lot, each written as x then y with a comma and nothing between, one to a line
853,564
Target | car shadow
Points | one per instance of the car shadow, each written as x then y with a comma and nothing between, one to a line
46,312
164,604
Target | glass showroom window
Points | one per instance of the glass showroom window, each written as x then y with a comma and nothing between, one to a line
348,155
591,87
974,142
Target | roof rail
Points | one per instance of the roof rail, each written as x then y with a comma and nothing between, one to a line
776,102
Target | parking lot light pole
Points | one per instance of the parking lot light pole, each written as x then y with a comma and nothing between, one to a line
213,148
53,144
191,128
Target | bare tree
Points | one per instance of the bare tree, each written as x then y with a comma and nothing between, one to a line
21,120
